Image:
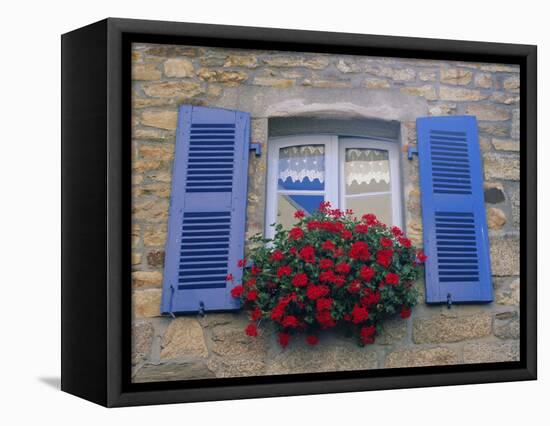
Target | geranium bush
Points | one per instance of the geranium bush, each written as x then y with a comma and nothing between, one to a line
331,269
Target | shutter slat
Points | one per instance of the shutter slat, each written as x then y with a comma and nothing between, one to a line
453,212
207,210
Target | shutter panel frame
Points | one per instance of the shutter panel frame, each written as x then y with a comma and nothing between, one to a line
207,215
456,240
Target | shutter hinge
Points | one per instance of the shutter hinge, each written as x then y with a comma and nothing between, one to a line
201,308
449,301
172,291
256,146
411,150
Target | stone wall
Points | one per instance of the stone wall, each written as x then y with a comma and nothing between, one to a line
277,84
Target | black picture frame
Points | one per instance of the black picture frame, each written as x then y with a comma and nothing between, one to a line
96,126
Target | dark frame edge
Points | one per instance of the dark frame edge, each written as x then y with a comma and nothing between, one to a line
83,188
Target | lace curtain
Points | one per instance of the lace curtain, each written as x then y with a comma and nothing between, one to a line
301,162
366,165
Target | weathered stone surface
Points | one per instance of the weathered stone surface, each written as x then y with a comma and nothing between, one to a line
393,331
347,66
427,75
181,89
183,339
230,341
426,91
506,144
506,325
494,128
514,131
420,357
245,61
442,109
136,258
154,236
136,235
406,74
236,367
166,50
456,76
327,84
140,166
376,83
511,83
156,152
318,63
146,303
483,80
178,67
158,189
153,135
499,68
449,93
491,352
230,78
161,119
504,98
513,193
488,112
327,355
448,330
172,371
281,83
496,218
494,192
145,72
504,256
146,279
150,210
414,232
155,258
142,337
500,166
507,291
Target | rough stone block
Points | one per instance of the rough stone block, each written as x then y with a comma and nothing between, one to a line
500,166
146,303
172,371
420,357
491,352
448,330
183,339
504,256
146,279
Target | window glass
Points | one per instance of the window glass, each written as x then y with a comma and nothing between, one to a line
367,183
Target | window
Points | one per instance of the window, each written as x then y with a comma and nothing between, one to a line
361,174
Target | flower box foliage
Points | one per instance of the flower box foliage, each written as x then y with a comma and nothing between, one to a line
331,269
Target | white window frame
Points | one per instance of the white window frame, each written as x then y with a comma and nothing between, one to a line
334,168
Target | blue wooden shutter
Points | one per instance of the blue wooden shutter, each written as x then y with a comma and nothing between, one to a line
453,213
207,210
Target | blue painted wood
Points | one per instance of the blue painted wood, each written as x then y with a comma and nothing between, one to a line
206,225
456,238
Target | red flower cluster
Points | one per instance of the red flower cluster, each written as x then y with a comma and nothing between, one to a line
329,269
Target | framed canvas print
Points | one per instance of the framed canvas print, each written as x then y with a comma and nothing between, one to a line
253,212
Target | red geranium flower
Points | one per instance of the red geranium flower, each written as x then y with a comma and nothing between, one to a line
384,257
359,250
359,314
283,270
386,242
405,312
298,214
290,321
252,295
342,268
392,278
255,270
370,219
361,228
396,231
328,245
256,314
326,263
237,291
323,304
251,330
405,242
347,234
229,277
324,318
367,334
308,254
296,233
284,338
421,257
299,280
312,340
241,263
354,287
366,273
277,255
314,292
